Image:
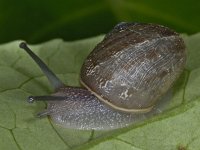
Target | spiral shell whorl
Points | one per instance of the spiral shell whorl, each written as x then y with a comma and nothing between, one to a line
134,65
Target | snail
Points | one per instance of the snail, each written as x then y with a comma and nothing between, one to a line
124,78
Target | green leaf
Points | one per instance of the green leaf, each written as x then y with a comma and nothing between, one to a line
38,21
178,127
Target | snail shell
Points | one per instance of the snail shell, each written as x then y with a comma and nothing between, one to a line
134,65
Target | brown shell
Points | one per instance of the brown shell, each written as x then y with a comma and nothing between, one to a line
134,65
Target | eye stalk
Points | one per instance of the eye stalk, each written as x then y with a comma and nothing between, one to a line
23,45
53,79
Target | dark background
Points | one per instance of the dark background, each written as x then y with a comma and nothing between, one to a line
40,20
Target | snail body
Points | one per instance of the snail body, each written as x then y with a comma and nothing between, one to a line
124,78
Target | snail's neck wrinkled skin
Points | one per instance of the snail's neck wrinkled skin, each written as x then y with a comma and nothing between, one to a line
82,110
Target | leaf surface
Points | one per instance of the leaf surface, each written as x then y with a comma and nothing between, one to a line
178,127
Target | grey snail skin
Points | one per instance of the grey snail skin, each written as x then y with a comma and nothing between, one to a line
125,79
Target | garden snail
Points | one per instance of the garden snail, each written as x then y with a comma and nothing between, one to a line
124,78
